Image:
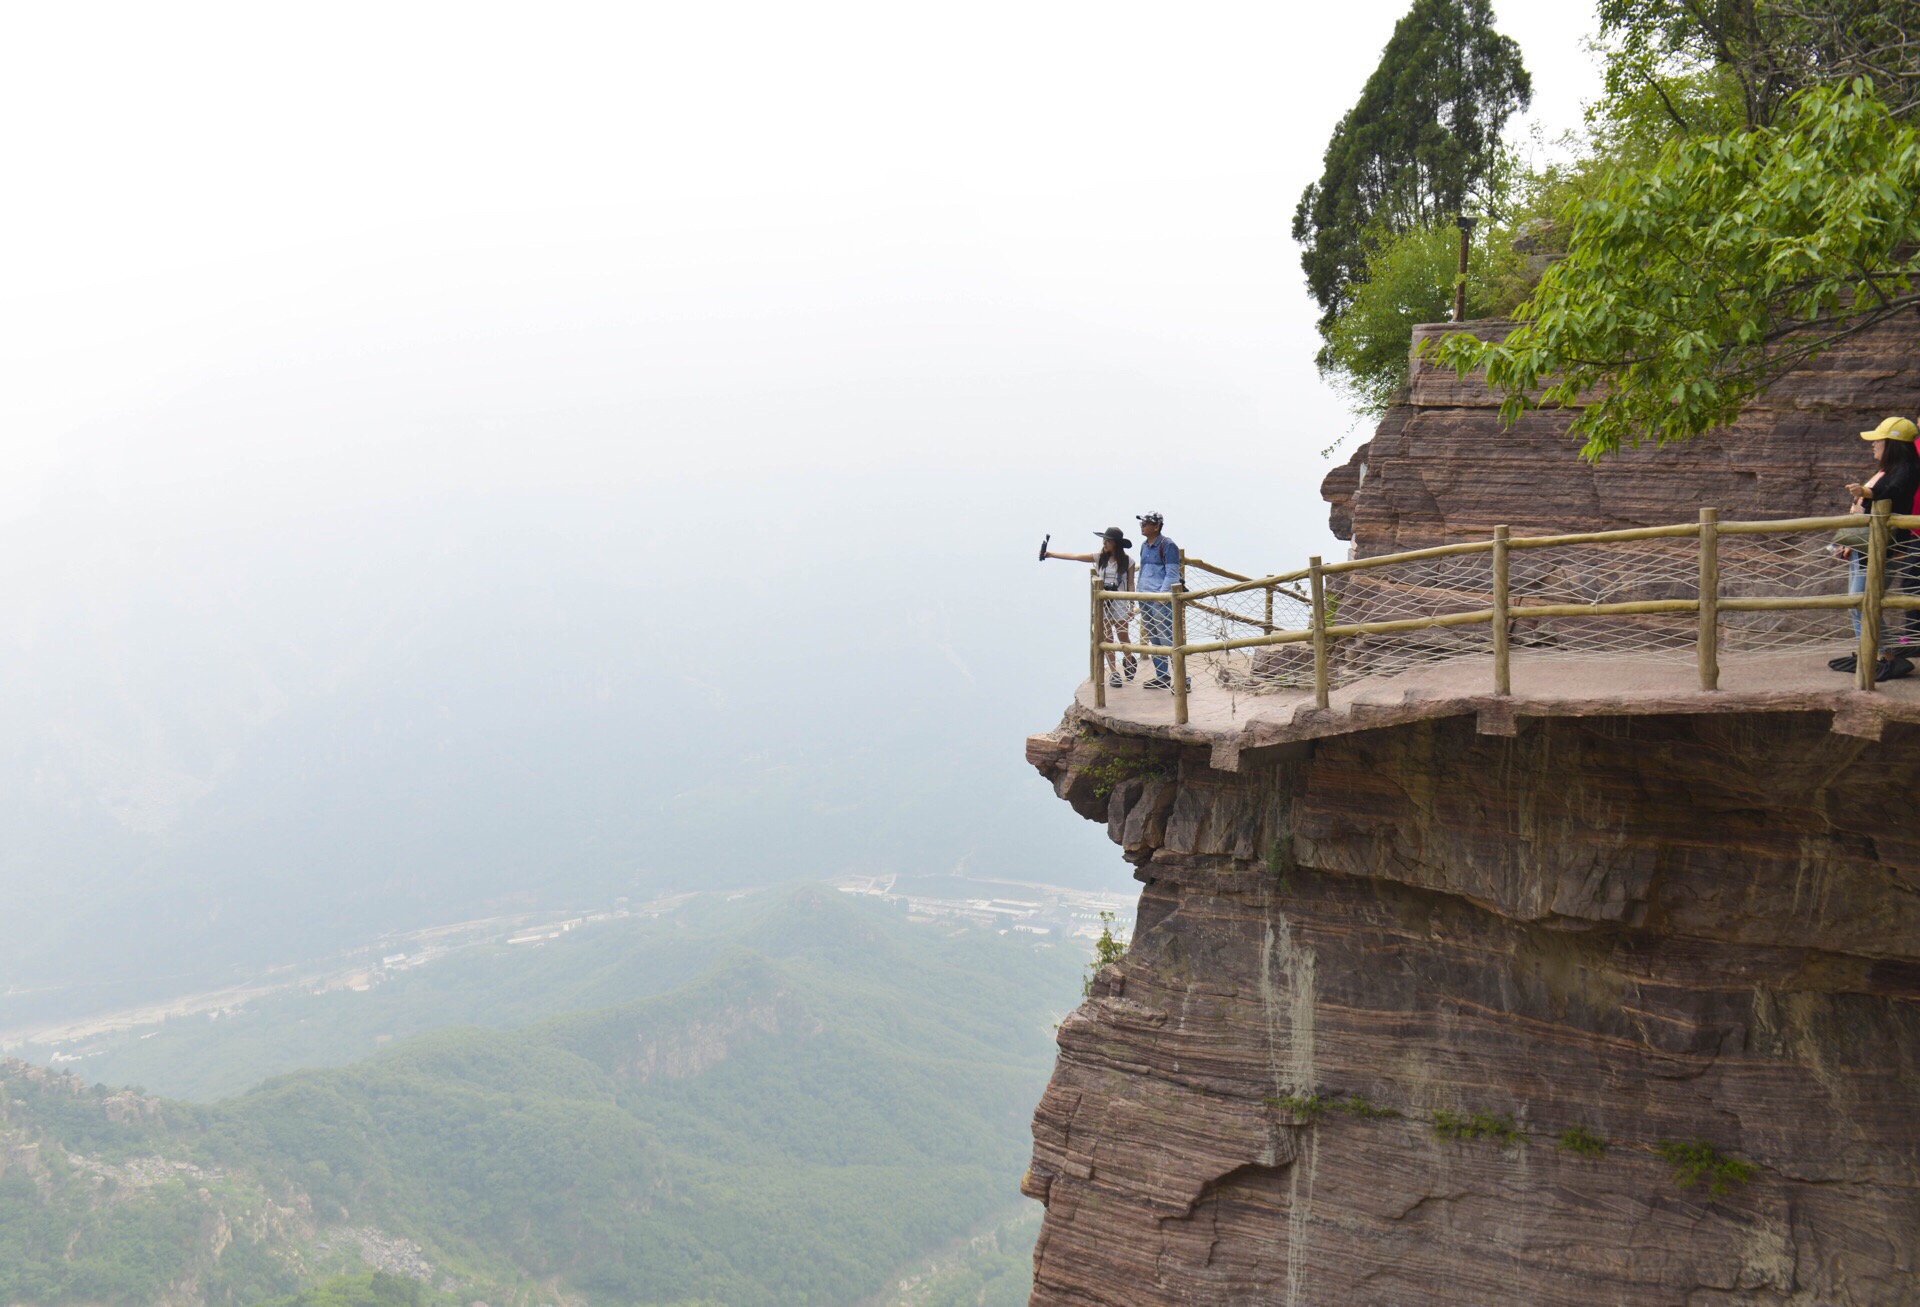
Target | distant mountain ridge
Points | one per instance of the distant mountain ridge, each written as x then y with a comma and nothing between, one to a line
834,1094
241,750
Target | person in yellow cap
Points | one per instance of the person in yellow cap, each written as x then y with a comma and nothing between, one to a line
1896,477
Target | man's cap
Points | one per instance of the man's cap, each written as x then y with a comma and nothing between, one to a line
1114,534
1892,429
1158,520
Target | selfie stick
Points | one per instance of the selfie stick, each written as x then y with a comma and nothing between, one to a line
1043,546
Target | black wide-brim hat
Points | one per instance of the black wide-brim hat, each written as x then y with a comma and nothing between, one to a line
1113,533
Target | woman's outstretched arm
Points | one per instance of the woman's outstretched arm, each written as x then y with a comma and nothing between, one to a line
1075,558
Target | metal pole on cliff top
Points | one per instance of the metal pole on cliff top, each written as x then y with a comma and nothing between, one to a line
1466,221
1180,654
1869,654
1502,669
1319,632
1099,682
1708,644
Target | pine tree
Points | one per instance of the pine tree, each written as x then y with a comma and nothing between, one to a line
1424,133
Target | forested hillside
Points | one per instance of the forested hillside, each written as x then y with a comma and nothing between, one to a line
836,1094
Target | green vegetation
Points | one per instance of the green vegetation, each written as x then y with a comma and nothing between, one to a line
494,986
1361,1108
999,1279
1699,1160
1581,1141
1741,200
1674,66
1459,1129
836,1093
1305,1108
1421,145
1409,279
1420,142
995,1270
1692,284
1745,202
1114,769
378,1289
1106,949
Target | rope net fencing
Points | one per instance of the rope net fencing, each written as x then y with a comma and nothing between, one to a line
1772,566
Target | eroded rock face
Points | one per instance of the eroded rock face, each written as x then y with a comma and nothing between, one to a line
1654,929
1439,468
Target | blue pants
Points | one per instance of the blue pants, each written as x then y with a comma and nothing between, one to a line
1856,584
1156,625
1902,565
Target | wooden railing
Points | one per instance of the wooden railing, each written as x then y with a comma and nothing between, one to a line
1501,612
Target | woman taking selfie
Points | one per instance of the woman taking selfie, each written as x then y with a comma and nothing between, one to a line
1116,616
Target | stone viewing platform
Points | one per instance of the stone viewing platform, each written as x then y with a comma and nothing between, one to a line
1787,681
1700,617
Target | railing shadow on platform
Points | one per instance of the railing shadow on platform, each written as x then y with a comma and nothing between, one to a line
1640,592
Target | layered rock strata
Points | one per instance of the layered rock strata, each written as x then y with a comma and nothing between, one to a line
1440,467
1389,990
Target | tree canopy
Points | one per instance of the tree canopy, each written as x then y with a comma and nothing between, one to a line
1746,201
1691,285
1410,280
1423,136
1703,66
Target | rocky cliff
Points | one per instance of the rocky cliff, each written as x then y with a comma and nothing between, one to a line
1440,468
1605,1010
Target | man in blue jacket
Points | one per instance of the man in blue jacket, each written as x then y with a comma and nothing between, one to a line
1159,571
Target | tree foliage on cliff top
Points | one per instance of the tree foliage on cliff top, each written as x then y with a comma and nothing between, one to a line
1693,284
1703,67
1422,138
1410,279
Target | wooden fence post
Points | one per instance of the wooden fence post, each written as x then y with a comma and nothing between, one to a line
1180,653
1869,655
1319,632
1266,625
1502,668
1708,643
1099,679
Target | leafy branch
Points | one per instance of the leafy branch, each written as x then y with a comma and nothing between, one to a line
1691,286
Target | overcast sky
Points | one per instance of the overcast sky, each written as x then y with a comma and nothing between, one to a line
628,426
266,248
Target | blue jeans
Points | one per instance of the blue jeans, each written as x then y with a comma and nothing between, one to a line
1901,568
1156,627
1856,584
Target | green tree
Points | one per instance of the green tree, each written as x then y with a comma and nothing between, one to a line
1108,949
1691,285
1418,144
1709,66
1410,280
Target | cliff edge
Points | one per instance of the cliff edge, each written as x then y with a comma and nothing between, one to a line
1611,1009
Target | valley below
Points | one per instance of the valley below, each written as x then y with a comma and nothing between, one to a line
802,1095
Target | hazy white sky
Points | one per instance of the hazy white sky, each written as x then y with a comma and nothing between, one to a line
352,249
448,450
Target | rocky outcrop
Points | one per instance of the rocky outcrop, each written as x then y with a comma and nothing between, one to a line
1445,1003
1698,932
1440,468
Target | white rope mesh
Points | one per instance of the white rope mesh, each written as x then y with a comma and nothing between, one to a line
1776,566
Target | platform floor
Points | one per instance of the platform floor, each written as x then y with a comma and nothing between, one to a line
1550,685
